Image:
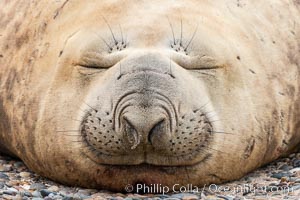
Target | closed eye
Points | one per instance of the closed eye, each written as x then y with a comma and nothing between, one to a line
197,61
93,59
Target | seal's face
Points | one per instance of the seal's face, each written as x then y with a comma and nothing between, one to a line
144,113
152,101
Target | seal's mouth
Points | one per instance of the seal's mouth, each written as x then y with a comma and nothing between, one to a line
156,166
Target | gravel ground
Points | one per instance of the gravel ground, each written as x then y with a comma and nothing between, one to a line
278,180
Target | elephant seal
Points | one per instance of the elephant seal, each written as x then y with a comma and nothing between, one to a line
105,94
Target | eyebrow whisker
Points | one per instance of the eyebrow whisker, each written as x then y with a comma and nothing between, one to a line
185,49
113,36
171,26
121,34
181,32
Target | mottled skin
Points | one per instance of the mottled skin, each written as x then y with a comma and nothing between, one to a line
81,108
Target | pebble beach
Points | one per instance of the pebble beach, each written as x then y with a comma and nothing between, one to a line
278,180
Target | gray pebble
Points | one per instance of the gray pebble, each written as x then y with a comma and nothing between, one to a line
162,196
37,186
48,198
3,176
296,187
56,197
297,180
248,179
18,164
292,155
37,198
51,195
9,184
27,194
63,193
281,174
296,163
77,197
18,197
295,170
53,188
8,192
68,198
182,195
7,197
285,160
84,192
36,194
13,190
5,168
45,192
2,185
25,174
80,196
285,167
225,197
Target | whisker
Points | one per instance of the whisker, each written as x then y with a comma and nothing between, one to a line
216,150
67,117
76,141
71,135
171,26
185,49
213,115
224,132
113,36
216,120
121,34
109,47
66,131
125,41
208,112
77,120
84,111
213,75
204,105
229,158
106,43
90,106
181,32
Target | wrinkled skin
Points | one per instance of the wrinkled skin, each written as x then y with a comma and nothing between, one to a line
110,93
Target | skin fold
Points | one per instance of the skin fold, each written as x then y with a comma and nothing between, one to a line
108,93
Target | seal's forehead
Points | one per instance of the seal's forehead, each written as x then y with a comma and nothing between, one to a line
223,26
147,21
138,14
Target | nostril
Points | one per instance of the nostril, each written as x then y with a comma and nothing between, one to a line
131,133
157,130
